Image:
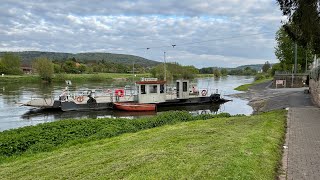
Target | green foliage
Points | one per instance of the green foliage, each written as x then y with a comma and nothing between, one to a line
224,72
28,56
10,64
260,78
174,71
284,51
70,67
266,67
47,136
216,73
44,68
247,71
303,25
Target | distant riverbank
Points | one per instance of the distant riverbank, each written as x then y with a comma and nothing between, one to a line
99,77
74,77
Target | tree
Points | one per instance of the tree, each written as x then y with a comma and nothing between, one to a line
303,24
70,67
216,73
266,67
224,72
284,51
44,68
11,64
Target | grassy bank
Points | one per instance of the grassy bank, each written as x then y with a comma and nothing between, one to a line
17,79
245,87
222,148
73,77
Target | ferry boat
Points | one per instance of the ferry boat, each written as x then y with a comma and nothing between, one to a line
149,94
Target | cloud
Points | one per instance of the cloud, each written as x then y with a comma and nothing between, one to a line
231,31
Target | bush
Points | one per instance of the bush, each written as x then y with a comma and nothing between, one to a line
259,77
48,136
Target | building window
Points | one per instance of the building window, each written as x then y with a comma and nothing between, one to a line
185,87
143,89
153,88
161,88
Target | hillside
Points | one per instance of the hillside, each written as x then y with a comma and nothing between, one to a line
257,67
28,56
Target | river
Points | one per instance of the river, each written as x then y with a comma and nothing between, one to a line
13,115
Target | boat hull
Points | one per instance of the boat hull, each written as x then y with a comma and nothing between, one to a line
192,101
72,106
134,107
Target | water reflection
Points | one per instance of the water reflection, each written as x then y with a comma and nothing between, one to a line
45,114
13,115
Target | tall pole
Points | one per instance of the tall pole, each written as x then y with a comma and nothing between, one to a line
165,69
133,72
295,58
306,62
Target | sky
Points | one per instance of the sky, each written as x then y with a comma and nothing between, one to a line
206,33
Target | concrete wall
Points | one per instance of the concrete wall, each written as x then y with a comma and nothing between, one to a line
315,91
298,80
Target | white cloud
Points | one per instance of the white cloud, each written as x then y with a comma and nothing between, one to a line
128,26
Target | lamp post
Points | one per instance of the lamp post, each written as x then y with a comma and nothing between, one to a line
165,70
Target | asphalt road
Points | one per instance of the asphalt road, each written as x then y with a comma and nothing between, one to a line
262,98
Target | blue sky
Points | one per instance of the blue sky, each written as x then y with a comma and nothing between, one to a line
237,32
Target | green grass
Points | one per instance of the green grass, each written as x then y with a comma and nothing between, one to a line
245,87
204,75
223,148
73,77
17,78
49,136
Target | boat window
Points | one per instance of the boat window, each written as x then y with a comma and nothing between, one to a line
185,87
143,89
161,88
153,88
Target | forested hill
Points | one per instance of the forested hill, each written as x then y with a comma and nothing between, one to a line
256,67
28,56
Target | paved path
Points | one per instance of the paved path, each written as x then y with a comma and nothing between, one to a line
303,142
301,158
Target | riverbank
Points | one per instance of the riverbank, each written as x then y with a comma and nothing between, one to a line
74,77
246,87
262,98
239,147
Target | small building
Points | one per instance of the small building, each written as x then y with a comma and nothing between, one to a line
26,69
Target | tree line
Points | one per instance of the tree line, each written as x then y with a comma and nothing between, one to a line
302,28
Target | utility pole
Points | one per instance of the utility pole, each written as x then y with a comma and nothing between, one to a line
306,62
165,69
295,58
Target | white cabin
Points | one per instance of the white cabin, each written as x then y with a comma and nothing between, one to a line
182,89
150,90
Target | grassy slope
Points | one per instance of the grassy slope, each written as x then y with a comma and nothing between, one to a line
245,87
236,148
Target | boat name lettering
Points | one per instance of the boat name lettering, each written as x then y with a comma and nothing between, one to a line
149,79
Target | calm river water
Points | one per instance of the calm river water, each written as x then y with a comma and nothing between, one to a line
13,115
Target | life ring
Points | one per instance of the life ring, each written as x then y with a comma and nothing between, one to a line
204,92
80,98
119,92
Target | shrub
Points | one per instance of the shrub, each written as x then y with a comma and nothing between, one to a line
48,136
